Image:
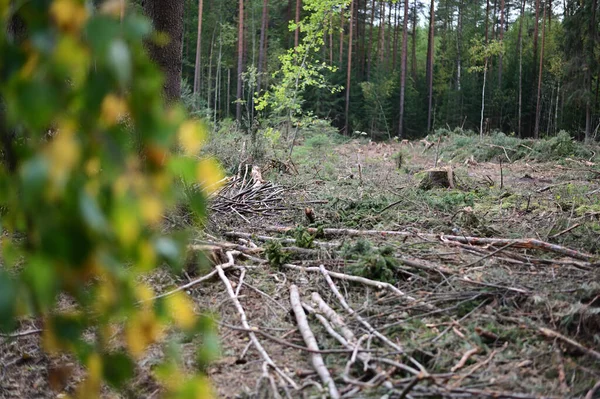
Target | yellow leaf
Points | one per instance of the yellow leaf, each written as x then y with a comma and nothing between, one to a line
73,57
209,175
49,340
147,256
126,224
63,154
92,166
69,15
152,209
142,330
113,109
191,137
181,310
30,65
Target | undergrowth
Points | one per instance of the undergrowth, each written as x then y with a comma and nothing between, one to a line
461,145
371,262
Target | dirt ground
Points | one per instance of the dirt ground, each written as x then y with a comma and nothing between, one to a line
516,316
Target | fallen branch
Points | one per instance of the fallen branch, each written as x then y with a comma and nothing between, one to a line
244,321
230,263
362,280
527,243
351,311
553,334
464,358
311,342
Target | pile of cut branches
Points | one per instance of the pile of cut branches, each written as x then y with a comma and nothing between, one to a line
247,193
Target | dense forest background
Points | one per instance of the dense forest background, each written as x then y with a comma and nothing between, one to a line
534,63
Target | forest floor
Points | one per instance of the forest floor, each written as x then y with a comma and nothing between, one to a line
435,312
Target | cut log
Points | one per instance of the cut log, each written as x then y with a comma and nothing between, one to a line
437,178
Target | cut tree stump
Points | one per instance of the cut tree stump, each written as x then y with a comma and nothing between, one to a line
437,178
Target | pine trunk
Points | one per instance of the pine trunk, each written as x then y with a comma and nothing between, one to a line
167,17
538,110
430,56
198,66
349,71
520,40
262,48
403,65
240,61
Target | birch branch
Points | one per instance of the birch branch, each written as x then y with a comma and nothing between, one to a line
311,342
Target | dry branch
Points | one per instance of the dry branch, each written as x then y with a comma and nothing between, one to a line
527,243
244,321
230,263
553,334
311,342
362,280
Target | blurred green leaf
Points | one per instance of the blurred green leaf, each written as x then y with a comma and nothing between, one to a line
8,294
117,368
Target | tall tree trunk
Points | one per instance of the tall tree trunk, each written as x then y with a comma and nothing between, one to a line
341,36
167,17
395,45
538,110
262,50
331,41
297,19
403,65
536,34
370,45
240,61
381,42
459,48
501,37
198,66
349,71
520,40
487,21
485,67
590,59
430,56
413,66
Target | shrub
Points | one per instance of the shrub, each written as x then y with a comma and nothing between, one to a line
87,174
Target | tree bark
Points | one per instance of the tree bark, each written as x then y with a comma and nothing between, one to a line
501,37
414,43
520,40
370,45
262,51
538,110
381,41
297,19
197,67
349,72
240,61
483,97
430,55
403,65
167,17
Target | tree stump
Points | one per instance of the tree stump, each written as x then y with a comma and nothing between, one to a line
437,178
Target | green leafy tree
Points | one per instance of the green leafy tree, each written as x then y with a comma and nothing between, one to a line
301,66
88,171
480,56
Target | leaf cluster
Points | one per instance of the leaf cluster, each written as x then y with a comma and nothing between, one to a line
92,157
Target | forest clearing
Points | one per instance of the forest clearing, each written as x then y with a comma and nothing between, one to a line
401,300
299,199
